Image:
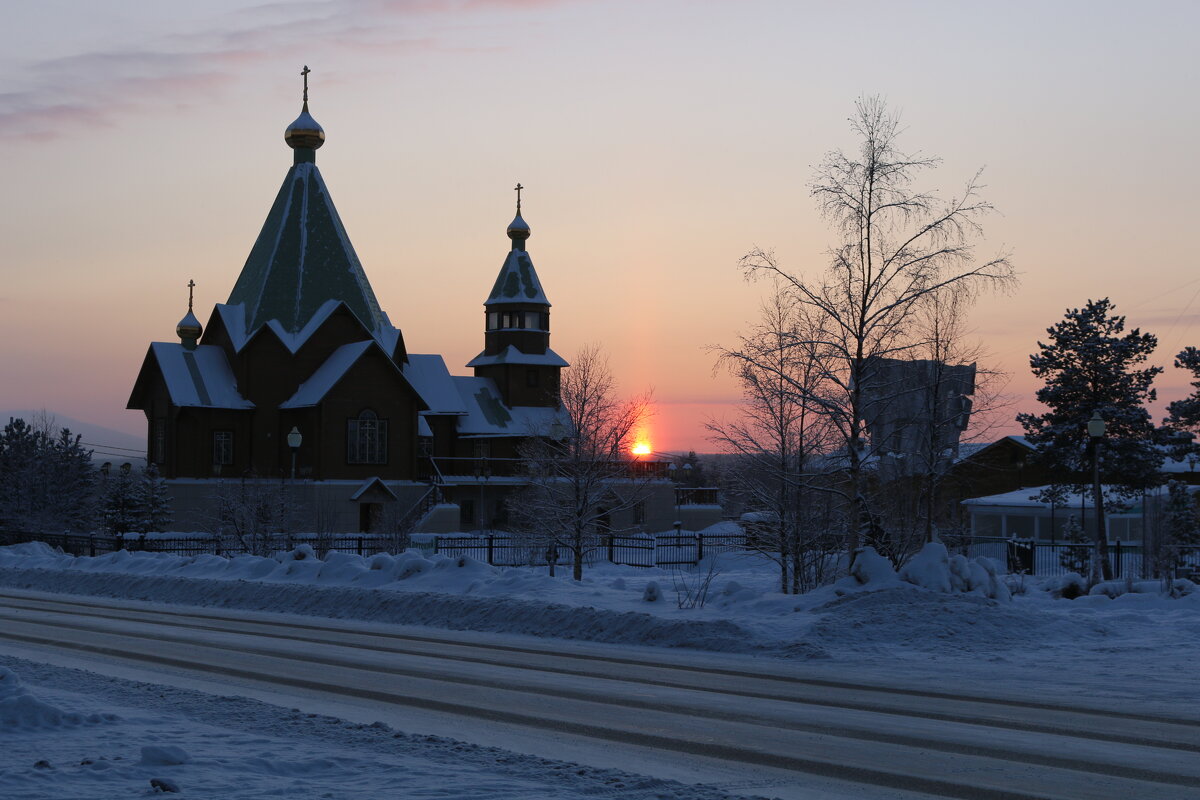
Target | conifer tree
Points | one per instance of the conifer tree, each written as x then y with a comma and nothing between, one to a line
1181,528
1089,365
1184,415
1078,550
120,511
154,502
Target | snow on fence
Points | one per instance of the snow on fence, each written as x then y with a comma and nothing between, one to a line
363,544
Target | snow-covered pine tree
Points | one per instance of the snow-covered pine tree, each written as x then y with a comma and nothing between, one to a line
1077,551
1184,415
74,479
1180,525
153,500
120,509
1091,365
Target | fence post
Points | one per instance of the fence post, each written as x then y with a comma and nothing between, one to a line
699,548
612,550
1117,559
92,545
491,549
435,545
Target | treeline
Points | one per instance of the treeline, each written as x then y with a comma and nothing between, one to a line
49,483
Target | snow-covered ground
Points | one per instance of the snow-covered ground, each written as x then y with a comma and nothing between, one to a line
974,630
80,735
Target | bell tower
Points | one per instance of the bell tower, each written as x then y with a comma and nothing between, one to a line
516,340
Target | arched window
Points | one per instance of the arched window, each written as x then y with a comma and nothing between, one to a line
366,439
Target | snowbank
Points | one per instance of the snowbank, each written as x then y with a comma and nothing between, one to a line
21,710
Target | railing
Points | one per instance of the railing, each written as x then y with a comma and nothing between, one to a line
362,544
430,466
1033,557
634,551
696,496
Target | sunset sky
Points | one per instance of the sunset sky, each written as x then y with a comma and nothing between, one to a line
658,141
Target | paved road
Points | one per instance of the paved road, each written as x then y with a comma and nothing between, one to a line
749,713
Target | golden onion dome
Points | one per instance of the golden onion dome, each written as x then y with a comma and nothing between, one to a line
189,327
518,229
304,132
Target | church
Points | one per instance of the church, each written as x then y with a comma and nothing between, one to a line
301,379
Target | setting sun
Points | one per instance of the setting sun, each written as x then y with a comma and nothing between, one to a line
642,448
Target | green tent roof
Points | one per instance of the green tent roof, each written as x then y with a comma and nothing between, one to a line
302,259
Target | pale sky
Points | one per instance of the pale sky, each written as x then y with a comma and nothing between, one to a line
659,142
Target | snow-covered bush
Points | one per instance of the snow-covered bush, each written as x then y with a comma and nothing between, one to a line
652,594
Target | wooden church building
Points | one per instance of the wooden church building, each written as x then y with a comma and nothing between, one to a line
301,380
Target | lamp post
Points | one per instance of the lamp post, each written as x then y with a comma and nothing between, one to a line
482,472
1100,566
294,438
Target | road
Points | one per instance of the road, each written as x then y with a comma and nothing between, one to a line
777,725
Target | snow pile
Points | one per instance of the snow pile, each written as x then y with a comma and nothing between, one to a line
964,624
164,755
20,710
933,568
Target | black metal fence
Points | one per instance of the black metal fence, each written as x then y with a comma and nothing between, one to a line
634,551
501,550
1033,557
362,544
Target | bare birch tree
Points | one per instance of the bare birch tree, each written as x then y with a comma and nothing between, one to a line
898,247
774,436
580,476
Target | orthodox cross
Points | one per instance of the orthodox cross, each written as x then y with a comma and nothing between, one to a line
191,285
518,189
304,74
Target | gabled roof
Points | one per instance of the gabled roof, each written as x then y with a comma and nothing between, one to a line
301,259
313,390
375,484
429,376
488,416
511,355
517,282
197,378
234,319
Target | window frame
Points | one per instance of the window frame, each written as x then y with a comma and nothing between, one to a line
366,438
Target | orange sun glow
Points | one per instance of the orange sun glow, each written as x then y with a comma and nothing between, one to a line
642,448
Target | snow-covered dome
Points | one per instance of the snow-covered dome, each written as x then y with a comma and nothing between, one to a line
518,229
189,327
304,132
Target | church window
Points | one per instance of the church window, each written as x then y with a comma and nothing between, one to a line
483,448
160,440
366,439
493,320
533,320
531,378
222,447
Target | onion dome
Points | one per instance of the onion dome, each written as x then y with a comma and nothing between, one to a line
189,327
304,132
518,229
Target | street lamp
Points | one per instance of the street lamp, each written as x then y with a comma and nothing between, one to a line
1095,430
294,439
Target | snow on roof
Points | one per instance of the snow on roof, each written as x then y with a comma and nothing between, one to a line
1027,498
511,355
198,378
423,428
430,377
488,416
517,282
313,390
368,484
234,318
